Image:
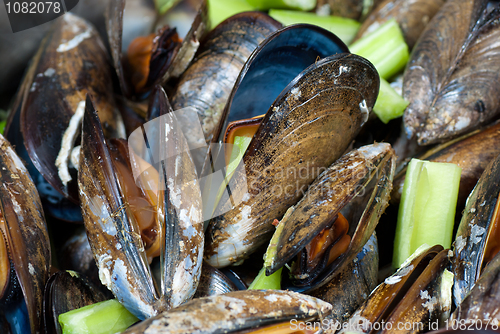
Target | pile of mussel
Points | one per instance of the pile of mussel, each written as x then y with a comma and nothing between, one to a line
123,175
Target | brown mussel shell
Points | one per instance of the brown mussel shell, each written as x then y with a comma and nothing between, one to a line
309,126
358,279
66,291
451,78
24,232
235,311
71,62
204,86
413,295
357,186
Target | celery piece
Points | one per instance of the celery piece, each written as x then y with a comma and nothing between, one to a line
389,104
385,48
219,10
344,28
263,282
106,317
239,149
162,6
427,208
283,4
2,126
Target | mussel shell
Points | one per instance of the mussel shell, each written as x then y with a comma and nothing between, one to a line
480,306
66,291
282,56
412,16
213,282
353,9
235,311
453,87
358,186
24,229
412,295
204,86
309,125
359,278
473,232
115,240
71,62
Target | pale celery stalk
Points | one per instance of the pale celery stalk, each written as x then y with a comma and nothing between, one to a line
106,317
162,6
427,208
239,149
389,104
219,10
305,5
263,282
344,28
385,48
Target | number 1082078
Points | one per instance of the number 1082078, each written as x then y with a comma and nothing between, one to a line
42,7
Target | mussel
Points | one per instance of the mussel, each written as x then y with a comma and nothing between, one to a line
234,312
330,225
309,126
71,62
451,78
127,223
24,246
411,300
476,242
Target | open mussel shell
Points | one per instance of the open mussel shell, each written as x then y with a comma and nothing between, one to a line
412,16
282,56
66,291
472,152
71,62
235,311
24,246
480,306
358,278
112,223
204,86
418,294
476,242
357,186
309,126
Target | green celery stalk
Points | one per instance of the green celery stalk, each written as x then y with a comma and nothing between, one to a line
385,48
305,5
106,317
389,104
240,147
427,208
2,126
263,282
344,28
219,10
162,6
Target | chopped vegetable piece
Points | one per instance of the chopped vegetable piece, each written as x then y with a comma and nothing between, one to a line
106,317
283,4
344,28
262,282
162,6
385,48
427,208
389,104
219,10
